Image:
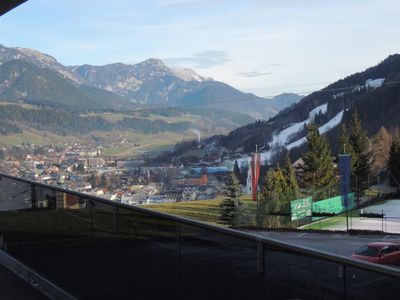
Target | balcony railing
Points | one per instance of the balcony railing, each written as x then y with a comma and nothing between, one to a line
88,247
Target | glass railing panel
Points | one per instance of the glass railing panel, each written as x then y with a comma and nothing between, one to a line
98,249
362,284
15,205
49,231
295,276
138,258
15,195
217,266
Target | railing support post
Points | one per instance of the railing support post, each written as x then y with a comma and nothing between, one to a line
260,268
179,238
260,257
115,219
343,275
91,203
33,196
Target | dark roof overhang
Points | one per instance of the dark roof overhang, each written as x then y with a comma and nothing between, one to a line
7,5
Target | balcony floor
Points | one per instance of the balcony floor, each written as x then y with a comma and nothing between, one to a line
13,287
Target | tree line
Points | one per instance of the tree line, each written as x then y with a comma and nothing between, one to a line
316,173
67,123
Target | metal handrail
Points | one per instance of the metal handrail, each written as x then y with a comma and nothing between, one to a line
267,241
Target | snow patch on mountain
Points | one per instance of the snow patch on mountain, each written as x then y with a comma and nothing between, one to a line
318,110
187,74
322,129
331,123
267,155
283,137
374,83
369,83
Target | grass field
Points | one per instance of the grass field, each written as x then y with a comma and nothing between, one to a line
139,143
115,117
35,137
201,210
151,144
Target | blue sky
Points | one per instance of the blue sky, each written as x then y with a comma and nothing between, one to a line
265,47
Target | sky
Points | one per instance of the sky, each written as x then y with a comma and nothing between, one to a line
263,47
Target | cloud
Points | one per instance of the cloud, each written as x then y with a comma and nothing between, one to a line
253,74
203,59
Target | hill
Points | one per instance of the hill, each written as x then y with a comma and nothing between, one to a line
21,81
374,93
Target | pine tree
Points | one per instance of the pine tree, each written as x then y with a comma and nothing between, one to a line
361,155
275,198
282,190
291,178
394,163
280,183
319,172
267,202
231,204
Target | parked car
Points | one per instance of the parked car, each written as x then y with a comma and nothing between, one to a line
384,253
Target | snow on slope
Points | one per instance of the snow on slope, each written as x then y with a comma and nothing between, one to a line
283,137
369,83
374,83
322,129
331,123
318,110
296,143
187,74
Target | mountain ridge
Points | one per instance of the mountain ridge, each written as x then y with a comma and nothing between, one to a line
26,82
151,83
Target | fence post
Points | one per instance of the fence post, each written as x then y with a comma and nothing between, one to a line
386,224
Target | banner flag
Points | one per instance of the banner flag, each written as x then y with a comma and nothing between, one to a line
344,172
255,173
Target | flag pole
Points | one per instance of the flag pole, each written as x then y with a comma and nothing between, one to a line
256,193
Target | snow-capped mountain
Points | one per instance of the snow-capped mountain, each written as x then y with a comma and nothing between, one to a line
154,84
148,82
187,74
151,82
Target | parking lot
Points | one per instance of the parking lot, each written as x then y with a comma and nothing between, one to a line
337,243
390,223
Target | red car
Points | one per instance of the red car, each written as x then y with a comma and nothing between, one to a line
384,253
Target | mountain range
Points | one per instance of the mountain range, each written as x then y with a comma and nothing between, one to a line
27,75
